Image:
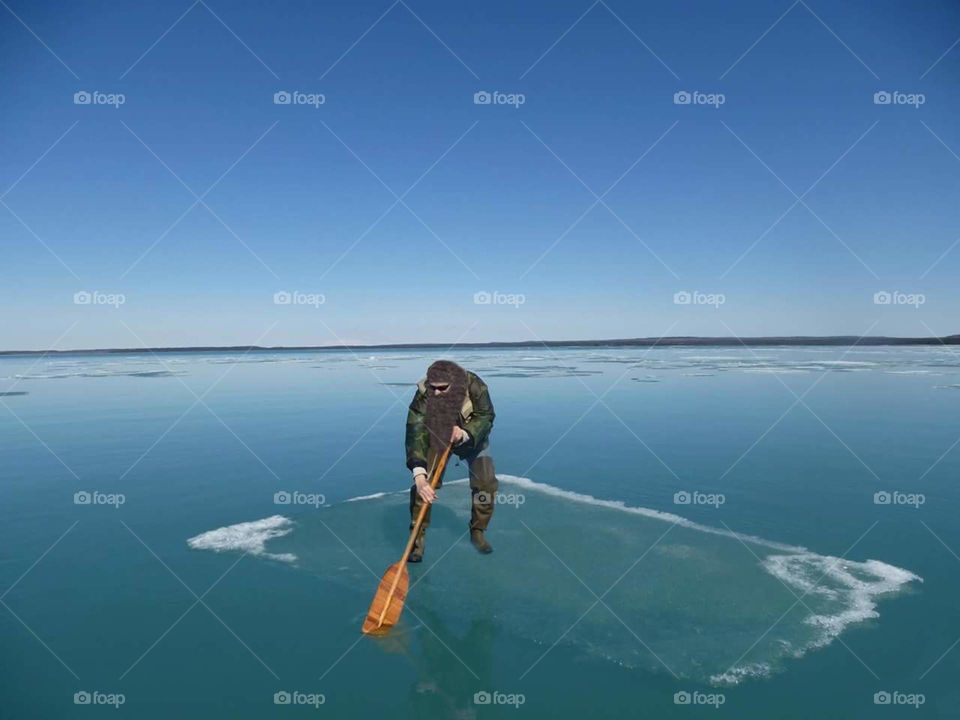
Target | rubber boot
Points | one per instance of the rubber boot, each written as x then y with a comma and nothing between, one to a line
480,542
483,488
416,554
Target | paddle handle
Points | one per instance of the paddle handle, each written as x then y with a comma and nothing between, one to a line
424,506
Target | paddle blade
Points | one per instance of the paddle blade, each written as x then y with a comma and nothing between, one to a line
391,594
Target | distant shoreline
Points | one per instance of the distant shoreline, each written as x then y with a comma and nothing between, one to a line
785,341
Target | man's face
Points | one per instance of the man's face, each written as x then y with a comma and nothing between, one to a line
439,388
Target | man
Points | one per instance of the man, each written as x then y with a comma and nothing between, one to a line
451,405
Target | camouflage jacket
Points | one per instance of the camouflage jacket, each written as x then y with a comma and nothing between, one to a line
476,417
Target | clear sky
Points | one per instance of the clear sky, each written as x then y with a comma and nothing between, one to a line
782,198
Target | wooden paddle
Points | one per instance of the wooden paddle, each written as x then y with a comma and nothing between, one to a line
392,592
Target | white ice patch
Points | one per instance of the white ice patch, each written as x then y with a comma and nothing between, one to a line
735,675
729,358
374,496
248,537
855,586
777,370
529,484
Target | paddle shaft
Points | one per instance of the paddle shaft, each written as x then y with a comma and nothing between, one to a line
424,506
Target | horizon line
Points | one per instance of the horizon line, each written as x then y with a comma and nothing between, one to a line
666,341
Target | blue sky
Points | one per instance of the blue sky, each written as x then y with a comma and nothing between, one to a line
586,208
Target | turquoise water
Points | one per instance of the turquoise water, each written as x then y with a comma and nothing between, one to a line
695,530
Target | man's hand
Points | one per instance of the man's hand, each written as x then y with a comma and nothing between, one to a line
458,435
426,493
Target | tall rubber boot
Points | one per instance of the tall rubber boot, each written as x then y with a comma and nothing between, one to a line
483,489
416,554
